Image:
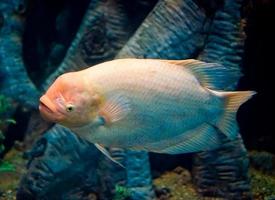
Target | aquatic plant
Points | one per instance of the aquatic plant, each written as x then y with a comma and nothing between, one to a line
6,167
263,185
121,193
4,121
4,107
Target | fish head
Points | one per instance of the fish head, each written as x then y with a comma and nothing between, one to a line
69,101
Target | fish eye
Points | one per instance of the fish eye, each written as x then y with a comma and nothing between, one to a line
69,108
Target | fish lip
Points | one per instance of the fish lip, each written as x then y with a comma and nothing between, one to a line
49,115
49,111
44,107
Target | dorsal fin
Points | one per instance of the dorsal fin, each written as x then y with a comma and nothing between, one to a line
210,75
180,62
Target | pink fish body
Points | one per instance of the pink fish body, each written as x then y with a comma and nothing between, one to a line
155,105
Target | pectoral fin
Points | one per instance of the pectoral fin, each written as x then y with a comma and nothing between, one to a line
115,108
107,154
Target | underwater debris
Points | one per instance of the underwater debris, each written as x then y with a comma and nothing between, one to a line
175,185
263,185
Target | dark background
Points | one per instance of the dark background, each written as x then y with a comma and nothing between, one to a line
255,117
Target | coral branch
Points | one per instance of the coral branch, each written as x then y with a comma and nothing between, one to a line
139,175
105,28
226,39
224,172
173,30
14,78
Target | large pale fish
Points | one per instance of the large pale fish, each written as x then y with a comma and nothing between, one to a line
163,106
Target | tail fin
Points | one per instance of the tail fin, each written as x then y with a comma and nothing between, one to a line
233,100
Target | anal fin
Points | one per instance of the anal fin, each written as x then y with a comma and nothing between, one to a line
203,138
107,154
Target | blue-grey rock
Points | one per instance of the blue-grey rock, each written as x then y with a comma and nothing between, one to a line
226,39
105,28
224,172
14,80
61,166
139,179
175,29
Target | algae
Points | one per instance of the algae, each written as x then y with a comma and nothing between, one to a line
171,185
121,193
180,186
6,167
5,105
178,182
263,185
10,178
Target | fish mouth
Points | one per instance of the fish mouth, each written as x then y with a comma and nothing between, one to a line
46,105
49,111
